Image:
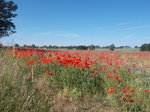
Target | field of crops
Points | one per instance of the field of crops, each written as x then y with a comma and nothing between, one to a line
74,81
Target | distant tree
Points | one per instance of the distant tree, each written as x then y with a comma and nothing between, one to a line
55,47
121,47
149,46
82,47
24,46
50,46
1,45
145,47
7,8
97,46
136,47
112,47
16,45
70,47
33,46
127,46
91,47
107,47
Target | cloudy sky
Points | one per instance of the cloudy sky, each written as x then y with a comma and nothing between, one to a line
81,22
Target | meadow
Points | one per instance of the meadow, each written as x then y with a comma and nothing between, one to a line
74,81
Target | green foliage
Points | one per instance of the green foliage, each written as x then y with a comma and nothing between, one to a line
33,46
91,47
17,89
112,47
145,47
16,45
76,78
81,47
7,8
29,88
1,45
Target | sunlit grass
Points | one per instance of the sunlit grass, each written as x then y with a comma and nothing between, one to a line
74,81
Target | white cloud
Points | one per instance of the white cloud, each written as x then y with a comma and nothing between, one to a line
58,34
137,27
43,34
67,35
128,36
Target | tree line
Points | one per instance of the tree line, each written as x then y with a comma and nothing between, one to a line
111,47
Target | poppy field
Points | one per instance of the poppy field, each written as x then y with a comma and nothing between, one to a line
74,81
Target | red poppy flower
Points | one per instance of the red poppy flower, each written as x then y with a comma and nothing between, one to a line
48,72
111,90
117,85
128,99
144,90
30,63
132,90
128,94
126,88
123,91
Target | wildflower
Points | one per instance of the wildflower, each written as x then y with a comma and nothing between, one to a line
129,72
128,99
48,72
144,90
94,68
134,65
117,85
132,90
116,77
109,76
30,63
111,90
126,88
128,94
94,73
123,91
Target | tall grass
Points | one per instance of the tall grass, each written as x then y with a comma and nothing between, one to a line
30,88
17,90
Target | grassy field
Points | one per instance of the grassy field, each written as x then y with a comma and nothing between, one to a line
121,49
74,81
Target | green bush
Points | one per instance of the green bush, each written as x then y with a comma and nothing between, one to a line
145,47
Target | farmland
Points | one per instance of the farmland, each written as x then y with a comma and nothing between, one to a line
74,81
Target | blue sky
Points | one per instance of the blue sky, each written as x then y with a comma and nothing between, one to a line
81,22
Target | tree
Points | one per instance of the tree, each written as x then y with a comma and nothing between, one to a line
145,47
112,47
1,45
91,47
50,46
81,47
7,8
16,45
33,46
24,46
